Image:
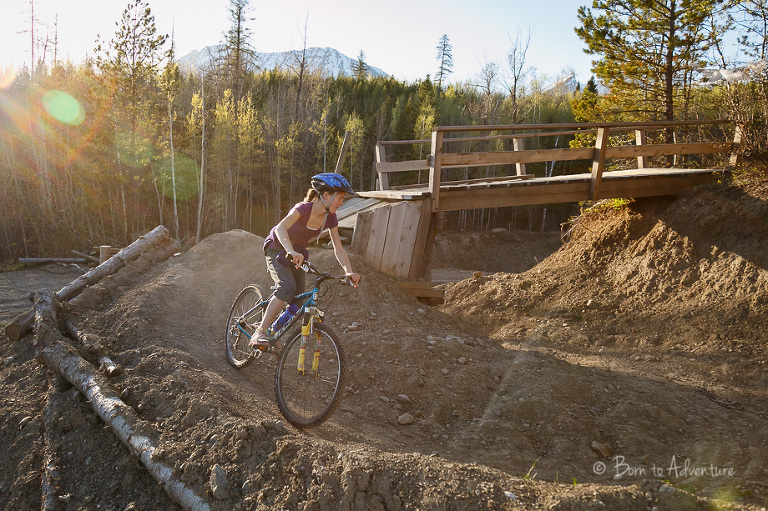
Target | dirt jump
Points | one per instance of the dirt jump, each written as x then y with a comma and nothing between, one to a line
622,369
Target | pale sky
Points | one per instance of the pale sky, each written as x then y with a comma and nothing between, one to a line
398,36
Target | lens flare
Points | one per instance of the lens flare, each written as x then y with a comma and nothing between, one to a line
186,177
7,76
63,107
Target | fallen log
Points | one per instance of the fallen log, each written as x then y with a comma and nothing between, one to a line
86,256
156,238
135,433
44,260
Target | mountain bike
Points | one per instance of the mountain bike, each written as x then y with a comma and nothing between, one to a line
310,369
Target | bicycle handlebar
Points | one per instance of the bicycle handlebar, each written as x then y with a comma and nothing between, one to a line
311,269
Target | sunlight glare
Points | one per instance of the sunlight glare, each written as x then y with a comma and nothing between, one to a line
63,107
7,76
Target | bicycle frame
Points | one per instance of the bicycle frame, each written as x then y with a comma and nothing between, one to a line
309,308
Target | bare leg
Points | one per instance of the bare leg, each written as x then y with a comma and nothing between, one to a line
273,309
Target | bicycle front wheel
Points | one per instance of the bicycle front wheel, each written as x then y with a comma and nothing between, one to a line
308,389
246,315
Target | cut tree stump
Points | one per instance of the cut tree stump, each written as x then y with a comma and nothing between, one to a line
158,238
135,433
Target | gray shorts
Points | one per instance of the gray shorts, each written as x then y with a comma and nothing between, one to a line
289,280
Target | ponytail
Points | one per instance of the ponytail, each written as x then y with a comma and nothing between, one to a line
311,195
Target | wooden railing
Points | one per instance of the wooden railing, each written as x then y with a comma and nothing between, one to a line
439,159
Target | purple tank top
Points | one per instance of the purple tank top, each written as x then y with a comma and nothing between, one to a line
299,233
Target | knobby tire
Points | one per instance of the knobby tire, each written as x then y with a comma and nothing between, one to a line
309,400
236,342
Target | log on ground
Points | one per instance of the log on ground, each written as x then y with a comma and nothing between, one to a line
135,433
158,238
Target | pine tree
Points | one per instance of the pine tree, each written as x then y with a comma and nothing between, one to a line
445,58
129,67
239,54
360,68
647,51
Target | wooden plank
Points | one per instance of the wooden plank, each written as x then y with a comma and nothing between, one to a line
517,144
615,126
451,160
381,158
401,166
403,142
650,186
391,249
435,170
421,260
396,195
541,193
575,188
521,135
411,221
378,236
667,149
598,162
361,235
350,221
499,179
355,205
422,289
642,161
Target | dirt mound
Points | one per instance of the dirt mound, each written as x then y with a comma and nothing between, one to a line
495,251
570,404
667,302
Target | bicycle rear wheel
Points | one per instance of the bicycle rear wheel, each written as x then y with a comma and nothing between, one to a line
236,343
308,399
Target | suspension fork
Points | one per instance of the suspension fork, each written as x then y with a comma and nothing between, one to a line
308,332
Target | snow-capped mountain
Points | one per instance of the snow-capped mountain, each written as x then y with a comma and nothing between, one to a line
327,61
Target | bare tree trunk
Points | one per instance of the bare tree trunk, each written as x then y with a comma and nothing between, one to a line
173,173
135,434
201,183
157,238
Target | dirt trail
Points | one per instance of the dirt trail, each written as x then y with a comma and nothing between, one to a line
625,371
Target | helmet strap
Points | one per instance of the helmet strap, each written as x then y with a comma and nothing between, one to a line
327,212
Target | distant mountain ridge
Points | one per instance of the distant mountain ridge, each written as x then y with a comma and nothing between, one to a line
327,61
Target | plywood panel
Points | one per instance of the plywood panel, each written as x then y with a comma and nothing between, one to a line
408,238
392,238
361,235
377,236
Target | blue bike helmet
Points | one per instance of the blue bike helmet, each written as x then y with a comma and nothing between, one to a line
331,182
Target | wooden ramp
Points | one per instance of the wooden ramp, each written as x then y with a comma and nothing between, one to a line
397,238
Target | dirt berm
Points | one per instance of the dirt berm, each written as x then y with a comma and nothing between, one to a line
625,371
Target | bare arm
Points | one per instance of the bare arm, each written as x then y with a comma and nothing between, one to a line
342,257
281,231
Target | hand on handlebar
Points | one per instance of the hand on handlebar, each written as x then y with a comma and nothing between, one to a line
353,279
296,258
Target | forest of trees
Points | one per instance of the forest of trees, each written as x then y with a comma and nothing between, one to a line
102,151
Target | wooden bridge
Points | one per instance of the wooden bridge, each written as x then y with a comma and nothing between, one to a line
394,226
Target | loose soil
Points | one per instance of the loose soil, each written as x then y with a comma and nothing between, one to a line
626,370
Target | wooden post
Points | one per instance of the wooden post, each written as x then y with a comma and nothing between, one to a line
598,162
435,168
381,157
738,132
642,161
517,145
343,153
104,253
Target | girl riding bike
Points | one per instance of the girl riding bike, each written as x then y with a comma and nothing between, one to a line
285,247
